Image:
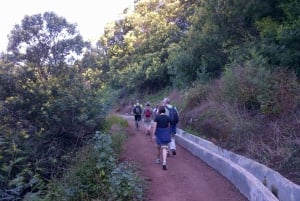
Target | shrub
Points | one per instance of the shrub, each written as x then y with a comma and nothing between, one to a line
95,174
272,93
242,85
279,94
114,121
124,182
196,95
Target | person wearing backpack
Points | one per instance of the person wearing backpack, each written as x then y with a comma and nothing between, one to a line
172,112
147,116
137,112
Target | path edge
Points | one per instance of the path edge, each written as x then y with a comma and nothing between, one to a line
254,180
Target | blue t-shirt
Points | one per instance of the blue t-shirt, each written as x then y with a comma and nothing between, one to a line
162,131
162,121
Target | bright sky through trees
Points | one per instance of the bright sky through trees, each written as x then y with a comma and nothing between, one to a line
89,15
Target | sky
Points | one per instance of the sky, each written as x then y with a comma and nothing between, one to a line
89,15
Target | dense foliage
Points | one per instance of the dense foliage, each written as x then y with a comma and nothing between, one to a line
237,61
240,58
179,42
96,174
48,110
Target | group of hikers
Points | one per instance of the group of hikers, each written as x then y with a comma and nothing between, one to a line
160,123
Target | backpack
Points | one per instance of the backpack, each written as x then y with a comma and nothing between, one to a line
173,115
147,113
137,109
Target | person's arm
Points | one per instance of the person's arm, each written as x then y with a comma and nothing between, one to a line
153,131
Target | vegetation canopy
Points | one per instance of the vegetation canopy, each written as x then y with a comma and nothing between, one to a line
231,67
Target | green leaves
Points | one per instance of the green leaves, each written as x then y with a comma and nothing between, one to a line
95,174
44,40
280,35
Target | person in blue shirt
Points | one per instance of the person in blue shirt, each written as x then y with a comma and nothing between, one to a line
162,135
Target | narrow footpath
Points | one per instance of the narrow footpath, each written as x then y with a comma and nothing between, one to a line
187,177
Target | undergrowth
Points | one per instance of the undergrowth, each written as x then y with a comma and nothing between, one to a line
96,173
251,113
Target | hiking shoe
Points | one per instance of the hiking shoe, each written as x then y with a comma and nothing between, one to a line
164,167
157,161
174,152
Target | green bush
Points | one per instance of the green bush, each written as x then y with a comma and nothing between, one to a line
126,183
242,86
270,92
95,174
118,140
280,93
196,95
114,120
116,126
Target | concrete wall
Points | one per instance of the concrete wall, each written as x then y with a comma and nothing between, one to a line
254,180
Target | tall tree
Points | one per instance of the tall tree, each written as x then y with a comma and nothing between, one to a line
137,44
46,42
280,34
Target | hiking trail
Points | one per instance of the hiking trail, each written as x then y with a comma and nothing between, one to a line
187,177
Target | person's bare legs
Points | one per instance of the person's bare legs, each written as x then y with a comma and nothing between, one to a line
157,154
149,128
172,144
164,156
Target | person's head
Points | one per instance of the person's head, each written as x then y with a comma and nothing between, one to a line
161,109
147,104
166,101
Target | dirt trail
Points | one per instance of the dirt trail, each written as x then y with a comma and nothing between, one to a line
187,177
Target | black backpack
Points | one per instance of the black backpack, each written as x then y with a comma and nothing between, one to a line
137,110
173,115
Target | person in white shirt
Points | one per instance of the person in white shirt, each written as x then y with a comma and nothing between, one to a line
173,125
